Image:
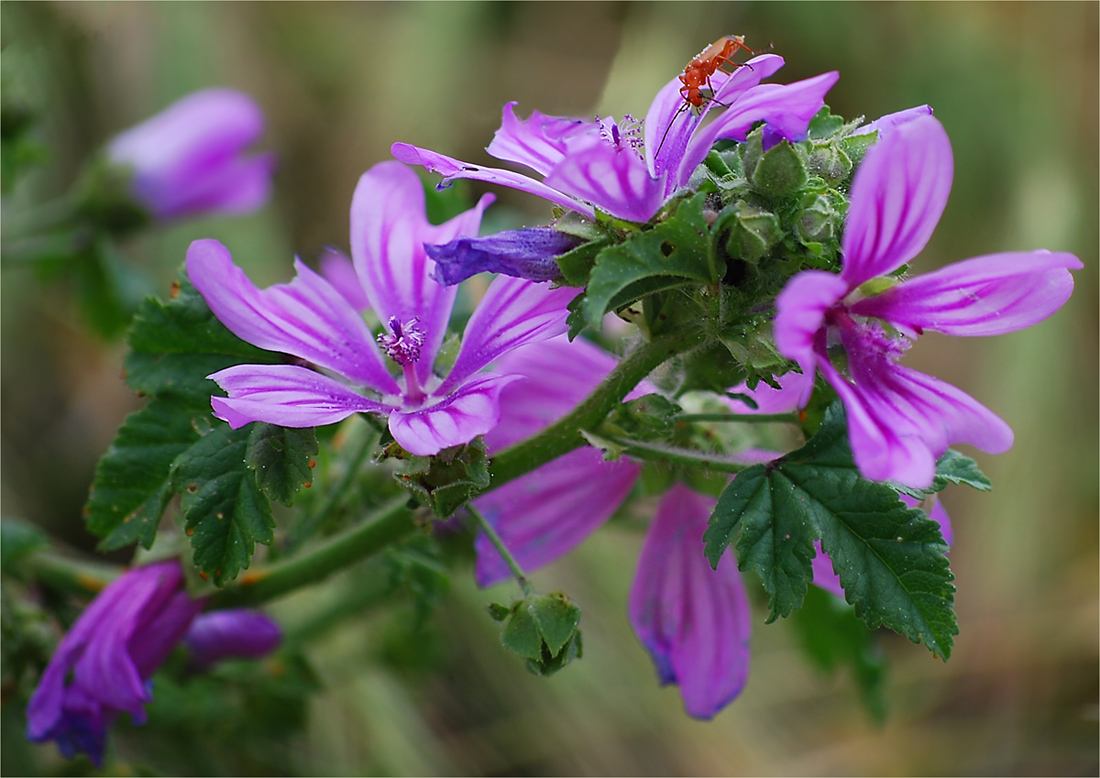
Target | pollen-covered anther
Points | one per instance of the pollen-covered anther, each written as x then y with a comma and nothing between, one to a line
404,345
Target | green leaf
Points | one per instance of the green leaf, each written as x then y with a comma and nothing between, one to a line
955,468
890,558
521,634
832,636
675,252
776,535
556,618
281,459
132,484
225,512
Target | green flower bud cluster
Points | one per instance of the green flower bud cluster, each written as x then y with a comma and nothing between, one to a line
541,628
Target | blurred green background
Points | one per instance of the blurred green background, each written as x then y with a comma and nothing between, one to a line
1015,84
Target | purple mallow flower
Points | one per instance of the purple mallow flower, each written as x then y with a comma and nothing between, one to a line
190,158
854,332
103,665
313,321
694,621
623,168
528,253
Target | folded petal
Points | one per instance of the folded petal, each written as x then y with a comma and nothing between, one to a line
537,142
800,315
469,410
787,109
287,395
898,195
513,312
451,168
694,621
546,513
528,253
306,318
988,295
615,180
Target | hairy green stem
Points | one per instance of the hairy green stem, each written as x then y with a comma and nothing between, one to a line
63,573
390,524
505,554
736,418
565,435
655,452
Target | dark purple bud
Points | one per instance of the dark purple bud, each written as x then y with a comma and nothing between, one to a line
527,253
231,633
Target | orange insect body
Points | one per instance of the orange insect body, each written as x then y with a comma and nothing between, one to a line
711,59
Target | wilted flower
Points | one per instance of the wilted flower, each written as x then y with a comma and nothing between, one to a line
190,158
694,621
854,332
310,319
103,665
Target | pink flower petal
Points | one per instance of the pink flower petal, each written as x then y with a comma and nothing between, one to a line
615,180
537,142
988,295
898,195
468,411
306,318
451,168
287,395
338,270
512,313
800,315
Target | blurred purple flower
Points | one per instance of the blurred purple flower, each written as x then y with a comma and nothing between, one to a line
103,665
190,158
694,621
310,319
623,169
900,420
527,253
231,633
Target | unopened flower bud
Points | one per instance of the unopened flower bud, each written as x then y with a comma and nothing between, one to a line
781,172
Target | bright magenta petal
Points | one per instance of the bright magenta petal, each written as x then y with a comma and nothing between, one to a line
898,195
306,318
513,312
801,308
468,411
988,295
287,395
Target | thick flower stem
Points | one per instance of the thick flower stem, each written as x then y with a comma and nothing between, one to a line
502,549
565,435
390,524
